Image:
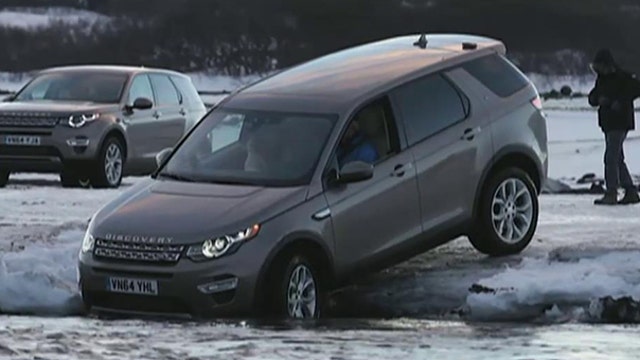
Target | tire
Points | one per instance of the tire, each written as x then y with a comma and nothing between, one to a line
108,169
73,178
4,178
501,228
287,298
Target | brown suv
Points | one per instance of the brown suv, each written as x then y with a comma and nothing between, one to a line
94,124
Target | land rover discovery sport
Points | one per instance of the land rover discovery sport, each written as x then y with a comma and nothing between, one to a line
351,162
94,124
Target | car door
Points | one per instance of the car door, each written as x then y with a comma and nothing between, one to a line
140,122
170,119
447,138
372,216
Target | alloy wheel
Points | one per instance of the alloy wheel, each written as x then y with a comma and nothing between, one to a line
113,164
301,293
512,210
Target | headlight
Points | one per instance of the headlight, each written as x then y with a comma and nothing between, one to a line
76,121
87,242
217,247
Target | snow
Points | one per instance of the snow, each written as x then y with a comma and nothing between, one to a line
576,145
32,18
73,338
524,291
578,83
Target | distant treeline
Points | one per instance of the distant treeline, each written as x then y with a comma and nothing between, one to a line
238,37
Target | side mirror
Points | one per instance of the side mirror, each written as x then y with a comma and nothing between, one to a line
9,98
162,156
141,104
354,172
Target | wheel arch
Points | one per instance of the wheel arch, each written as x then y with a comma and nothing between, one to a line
310,245
511,156
118,134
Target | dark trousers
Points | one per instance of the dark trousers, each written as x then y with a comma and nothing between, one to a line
616,173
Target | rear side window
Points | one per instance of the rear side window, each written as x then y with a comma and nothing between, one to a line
497,74
190,96
166,93
430,105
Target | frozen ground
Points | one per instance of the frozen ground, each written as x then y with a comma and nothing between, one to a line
74,338
580,253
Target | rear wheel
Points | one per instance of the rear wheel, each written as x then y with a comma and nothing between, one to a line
297,291
508,214
108,169
4,178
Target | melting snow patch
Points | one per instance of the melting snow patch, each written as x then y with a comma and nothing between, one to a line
41,279
549,288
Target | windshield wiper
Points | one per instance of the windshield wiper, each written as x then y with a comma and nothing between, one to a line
176,177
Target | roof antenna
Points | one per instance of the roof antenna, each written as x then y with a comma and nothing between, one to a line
422,42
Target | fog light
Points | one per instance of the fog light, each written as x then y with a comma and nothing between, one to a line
78,142
219,286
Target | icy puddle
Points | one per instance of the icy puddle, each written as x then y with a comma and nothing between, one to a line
75,338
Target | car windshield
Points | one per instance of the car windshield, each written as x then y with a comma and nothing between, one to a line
251,148
75,86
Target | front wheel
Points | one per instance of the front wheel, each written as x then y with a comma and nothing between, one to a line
298,294
109,166
508,214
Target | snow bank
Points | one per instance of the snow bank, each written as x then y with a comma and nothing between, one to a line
41,279
33,18
553,287
578,83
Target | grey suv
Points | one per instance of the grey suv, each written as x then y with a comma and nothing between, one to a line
348,163
93,124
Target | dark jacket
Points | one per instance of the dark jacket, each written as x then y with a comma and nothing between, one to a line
614,94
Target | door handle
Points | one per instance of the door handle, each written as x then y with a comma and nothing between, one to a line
470,133
400,169
183,112
157,114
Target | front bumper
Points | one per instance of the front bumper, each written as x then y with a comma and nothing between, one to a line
224,287
58,145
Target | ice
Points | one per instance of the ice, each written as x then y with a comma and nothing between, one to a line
41,278
538,284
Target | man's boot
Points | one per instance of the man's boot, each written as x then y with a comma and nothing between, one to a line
630,197
609,198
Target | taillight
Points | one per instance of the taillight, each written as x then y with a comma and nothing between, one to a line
537,102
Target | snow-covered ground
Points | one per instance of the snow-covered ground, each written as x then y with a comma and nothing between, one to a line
72,338
33,18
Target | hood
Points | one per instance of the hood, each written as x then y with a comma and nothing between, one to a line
189,213
55,107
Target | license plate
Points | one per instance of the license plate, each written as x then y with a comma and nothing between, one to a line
132,286
22,140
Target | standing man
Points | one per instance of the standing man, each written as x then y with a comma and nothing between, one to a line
613,94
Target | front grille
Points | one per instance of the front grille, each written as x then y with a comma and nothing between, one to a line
133,252
30,119
138,303
39,151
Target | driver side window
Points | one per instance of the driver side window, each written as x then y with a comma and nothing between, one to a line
371,135
140,88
